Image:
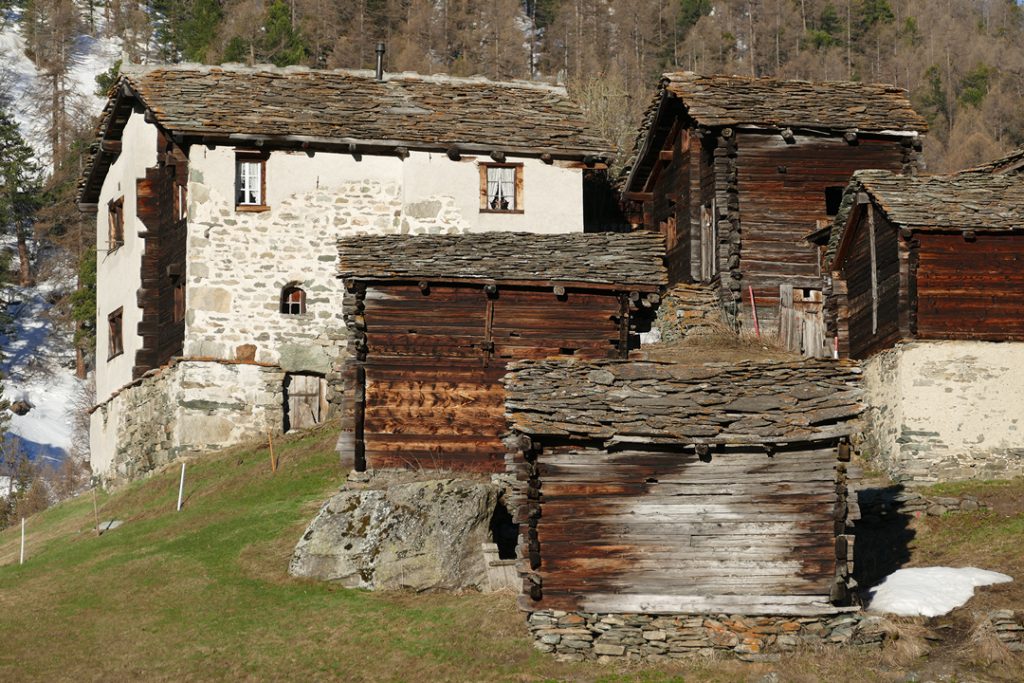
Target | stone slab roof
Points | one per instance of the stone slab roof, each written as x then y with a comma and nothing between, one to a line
982,201
665,402
432,111
970,200
601,258
725,101
833,105
298,104
1010,163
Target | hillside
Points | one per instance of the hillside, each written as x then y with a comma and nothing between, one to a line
203,594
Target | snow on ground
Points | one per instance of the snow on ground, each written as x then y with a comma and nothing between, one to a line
929,591
36,366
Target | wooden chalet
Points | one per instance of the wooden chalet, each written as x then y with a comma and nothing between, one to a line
936,257
434,320
658,487
734,172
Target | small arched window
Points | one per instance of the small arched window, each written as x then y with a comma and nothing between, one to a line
293,300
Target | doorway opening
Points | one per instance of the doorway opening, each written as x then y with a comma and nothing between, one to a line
305,400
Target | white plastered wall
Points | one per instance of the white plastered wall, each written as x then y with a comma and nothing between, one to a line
118,274
947,410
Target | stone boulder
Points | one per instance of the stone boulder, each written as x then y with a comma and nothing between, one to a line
422,536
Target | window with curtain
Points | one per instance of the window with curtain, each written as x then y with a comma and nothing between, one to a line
501,187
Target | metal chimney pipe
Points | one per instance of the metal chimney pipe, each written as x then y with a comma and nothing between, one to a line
380,61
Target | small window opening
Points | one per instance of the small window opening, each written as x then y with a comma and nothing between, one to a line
567,350
115,342
293,300
115,219
504,531
250,180
833,198
501,188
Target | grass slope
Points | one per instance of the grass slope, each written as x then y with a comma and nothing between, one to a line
204,595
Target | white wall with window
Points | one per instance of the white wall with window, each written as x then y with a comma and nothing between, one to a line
118,270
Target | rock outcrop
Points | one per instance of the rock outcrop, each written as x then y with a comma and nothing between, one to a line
422,536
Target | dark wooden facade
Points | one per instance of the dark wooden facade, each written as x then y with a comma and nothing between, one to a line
663,488
161,201
734,187
429,350
929,258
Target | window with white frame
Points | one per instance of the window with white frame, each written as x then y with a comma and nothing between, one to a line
501,187
250,180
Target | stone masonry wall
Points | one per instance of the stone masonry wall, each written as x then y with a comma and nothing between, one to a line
576,636
689,310
946,410
187,406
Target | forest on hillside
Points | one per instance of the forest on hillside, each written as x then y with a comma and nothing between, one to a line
962,60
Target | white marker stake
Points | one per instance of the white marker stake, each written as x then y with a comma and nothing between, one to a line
22,560
181,486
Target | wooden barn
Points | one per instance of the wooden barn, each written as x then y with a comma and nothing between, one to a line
933,257
735,171
663,488
435,319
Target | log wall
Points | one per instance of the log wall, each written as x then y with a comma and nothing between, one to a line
781,191
673,532
872,300
432,359
163,259
970,289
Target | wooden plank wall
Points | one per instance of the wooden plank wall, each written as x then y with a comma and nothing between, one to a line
434,359
781,191
163,260
970,289
860,337
670,210
631,530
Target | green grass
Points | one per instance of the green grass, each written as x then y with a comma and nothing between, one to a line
203,594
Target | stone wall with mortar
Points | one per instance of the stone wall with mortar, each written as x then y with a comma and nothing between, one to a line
946,410
187,406
577,636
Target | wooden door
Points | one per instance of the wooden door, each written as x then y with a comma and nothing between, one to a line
305,401
802,321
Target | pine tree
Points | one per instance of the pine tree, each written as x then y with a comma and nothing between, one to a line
19,191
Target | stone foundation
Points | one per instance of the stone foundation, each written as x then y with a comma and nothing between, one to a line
946,411
576,636
189,405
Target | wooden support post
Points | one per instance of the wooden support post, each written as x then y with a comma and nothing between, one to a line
270,442
753,311
95,511
624,326
21,560
359,408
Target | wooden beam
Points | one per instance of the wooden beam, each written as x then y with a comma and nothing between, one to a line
666,154
640,196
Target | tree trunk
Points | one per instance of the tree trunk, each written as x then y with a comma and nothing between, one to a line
25,277
80,371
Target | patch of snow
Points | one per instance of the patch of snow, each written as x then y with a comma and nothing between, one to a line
929,591
36,370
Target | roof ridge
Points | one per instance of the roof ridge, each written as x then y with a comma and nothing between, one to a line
140,70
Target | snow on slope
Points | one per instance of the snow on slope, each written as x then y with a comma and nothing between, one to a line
36,369
35,356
